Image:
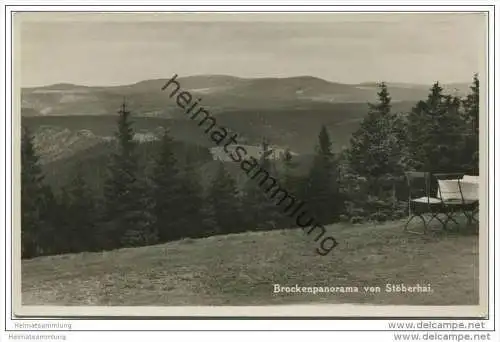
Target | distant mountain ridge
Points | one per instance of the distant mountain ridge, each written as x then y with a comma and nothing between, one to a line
68,119
219,92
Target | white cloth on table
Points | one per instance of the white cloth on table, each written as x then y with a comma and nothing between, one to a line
430,200
470,187
450,189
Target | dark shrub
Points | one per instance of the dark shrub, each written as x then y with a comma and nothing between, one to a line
379,217
357,219
343,218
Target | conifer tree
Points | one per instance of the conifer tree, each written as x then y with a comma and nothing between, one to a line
127,207
190,204
33,191
471,129
49,221
292,183
79,212
260,212
251,201
288,173
434,131
375,149
166,187
322,188
223,200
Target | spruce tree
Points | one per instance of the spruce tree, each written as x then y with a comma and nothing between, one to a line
127,207
190,205
80,216
435,131
49,221
374,146
223,200
322,188
471,128
291,182
166,189
33,219
288,178
260,212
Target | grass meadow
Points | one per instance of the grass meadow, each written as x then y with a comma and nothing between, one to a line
241,269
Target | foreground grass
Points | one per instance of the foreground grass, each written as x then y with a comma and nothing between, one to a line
242,269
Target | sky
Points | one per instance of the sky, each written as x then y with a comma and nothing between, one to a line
116,49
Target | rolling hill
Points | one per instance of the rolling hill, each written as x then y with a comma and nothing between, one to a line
218,92
74,123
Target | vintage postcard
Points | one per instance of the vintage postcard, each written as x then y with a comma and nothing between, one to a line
205,164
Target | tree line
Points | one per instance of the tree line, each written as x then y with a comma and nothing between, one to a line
169,202
440,134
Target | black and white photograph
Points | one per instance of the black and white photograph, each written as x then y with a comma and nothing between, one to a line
271,160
